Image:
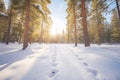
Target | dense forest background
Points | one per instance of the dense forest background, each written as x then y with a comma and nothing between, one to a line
88,21
103,21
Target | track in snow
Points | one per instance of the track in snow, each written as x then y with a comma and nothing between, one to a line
59,62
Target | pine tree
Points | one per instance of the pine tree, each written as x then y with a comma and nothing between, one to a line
115,27
71,21
96,21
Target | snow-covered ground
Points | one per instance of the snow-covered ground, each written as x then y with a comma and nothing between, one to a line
59,62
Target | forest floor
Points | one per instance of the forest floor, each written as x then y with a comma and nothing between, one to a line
59,62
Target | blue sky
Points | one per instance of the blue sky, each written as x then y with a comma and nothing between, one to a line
6,3
58,15
108,15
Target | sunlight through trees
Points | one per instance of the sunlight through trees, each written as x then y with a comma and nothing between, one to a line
29,21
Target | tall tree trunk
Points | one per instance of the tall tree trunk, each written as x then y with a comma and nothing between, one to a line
25,43
117,4
7,33
75,32
85,30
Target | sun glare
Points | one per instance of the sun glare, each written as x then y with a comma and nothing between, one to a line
57,27
58,15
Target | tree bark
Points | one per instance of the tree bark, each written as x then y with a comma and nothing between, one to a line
25,43
117,4
85,30
75,32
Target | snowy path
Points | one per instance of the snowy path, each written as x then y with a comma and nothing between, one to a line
59,62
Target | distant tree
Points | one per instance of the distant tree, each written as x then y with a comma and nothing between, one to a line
115,27
14,11
7,33
3,20
97,20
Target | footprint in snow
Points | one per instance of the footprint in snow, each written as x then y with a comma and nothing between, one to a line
53,73
94,72
84,63
78,57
